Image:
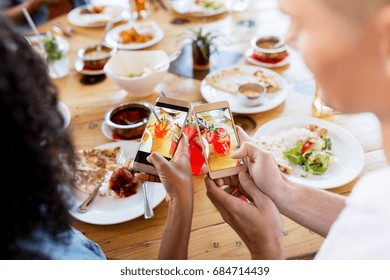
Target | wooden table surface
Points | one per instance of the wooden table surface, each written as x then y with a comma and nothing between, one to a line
211,237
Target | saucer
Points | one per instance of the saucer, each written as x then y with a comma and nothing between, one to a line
108,133
249,58
79,66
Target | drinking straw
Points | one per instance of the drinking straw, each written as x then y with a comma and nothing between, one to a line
155,114
35,30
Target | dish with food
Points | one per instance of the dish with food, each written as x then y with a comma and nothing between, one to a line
95,16
95,56
109,208
135,35
82,69
199,8
249,55
223,84
311,151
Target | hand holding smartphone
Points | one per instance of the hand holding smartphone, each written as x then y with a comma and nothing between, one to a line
162,132
219,139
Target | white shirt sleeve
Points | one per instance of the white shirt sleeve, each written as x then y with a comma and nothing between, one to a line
362,231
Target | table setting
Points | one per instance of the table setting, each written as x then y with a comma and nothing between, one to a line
147,56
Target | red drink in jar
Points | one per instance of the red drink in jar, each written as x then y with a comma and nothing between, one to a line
221,141
195,150
162,127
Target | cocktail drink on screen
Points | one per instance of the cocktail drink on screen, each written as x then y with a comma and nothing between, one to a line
220,139
162,127
195,150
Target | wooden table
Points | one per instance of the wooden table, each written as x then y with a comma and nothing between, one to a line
140,238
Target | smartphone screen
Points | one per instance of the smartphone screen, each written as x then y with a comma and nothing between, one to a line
162,132
219,138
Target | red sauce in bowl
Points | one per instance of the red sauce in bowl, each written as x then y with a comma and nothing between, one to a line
132,115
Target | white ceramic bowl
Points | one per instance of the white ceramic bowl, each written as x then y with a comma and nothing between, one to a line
125,63
251,94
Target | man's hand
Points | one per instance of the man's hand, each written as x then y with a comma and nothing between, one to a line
257,223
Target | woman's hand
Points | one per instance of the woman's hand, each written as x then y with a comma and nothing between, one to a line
175,175
258,224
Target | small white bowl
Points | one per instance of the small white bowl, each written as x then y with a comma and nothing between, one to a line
125,63
251,94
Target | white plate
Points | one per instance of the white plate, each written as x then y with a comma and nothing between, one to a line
108,211
189,8
349,153
272,100
79,66
99,20
65,113
145,27
250,59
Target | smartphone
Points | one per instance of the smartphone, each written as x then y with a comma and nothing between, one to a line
219,139
162,133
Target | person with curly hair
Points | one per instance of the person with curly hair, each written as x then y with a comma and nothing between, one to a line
39,162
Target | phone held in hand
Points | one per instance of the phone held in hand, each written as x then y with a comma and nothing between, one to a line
162,132
219,139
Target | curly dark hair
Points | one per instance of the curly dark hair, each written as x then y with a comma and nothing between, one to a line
37,153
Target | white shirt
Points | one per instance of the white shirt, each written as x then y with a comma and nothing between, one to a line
362,231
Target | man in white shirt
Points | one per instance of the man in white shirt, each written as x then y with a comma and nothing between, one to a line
346,44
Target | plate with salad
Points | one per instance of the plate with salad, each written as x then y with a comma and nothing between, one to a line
312,152
199,8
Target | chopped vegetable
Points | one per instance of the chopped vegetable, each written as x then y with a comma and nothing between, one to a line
313,155
52,50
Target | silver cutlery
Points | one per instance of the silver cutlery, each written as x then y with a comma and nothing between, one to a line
120,160
62,29
148,210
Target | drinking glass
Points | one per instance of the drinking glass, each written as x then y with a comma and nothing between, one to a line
59,68
140,9
195,150
221,141
319,108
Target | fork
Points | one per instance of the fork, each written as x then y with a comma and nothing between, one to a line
148,210
120,160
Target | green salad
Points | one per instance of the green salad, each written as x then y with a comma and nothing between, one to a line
210,4
313,155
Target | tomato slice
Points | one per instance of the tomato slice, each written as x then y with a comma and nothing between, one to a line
306,147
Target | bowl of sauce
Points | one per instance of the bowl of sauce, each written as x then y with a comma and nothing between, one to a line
95,56
128,120
269,49
251,94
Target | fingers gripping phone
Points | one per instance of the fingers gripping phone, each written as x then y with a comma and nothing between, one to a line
162,132
219,139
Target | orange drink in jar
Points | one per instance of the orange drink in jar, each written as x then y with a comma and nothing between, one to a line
140,9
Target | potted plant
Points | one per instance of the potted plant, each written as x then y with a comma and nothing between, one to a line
203,45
